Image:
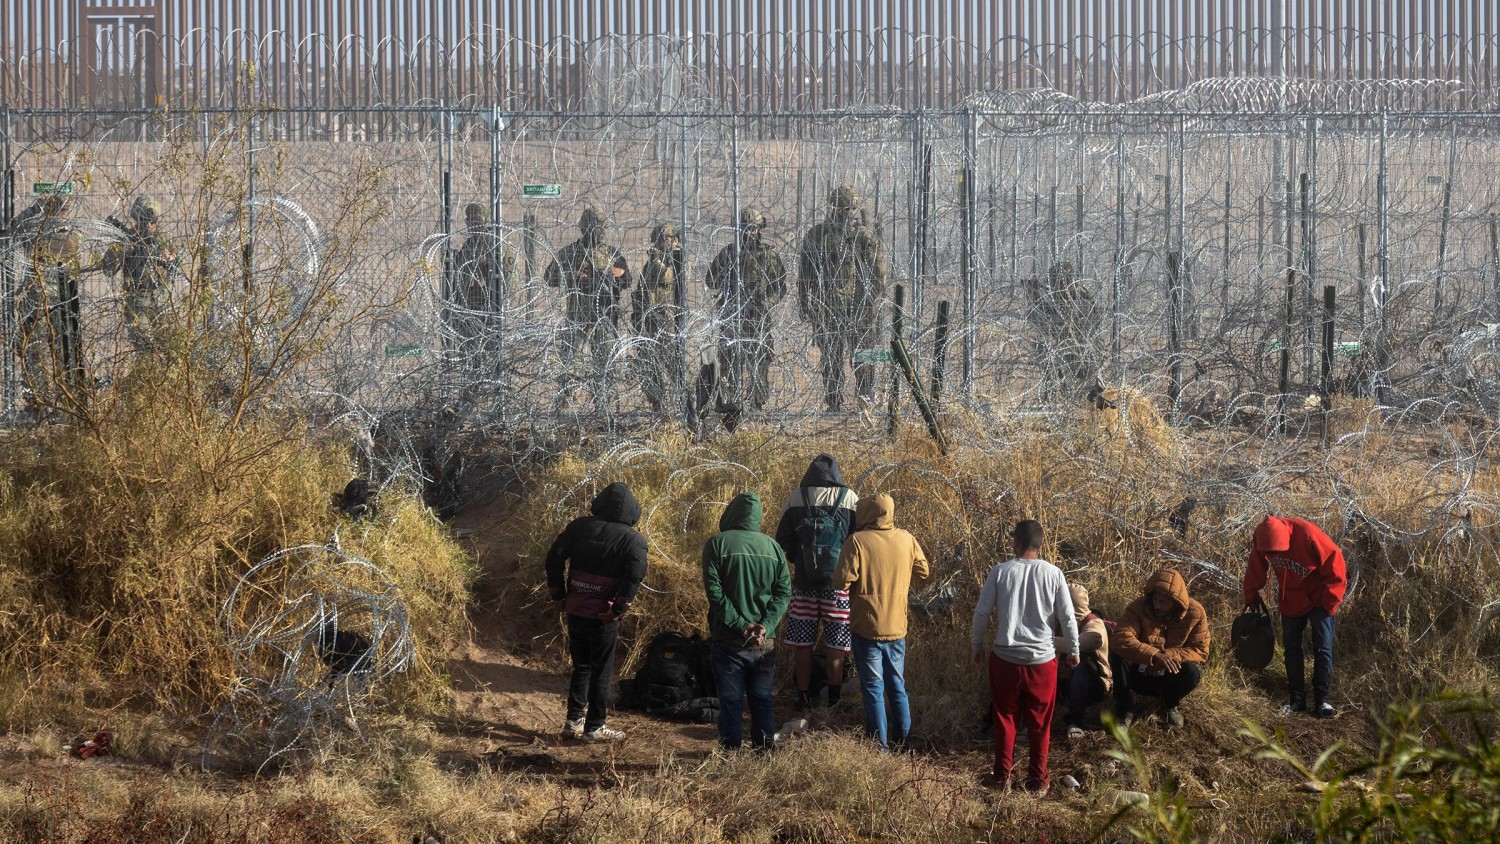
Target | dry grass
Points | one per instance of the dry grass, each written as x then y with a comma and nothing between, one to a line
119,540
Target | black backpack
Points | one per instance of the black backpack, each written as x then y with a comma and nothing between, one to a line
820,538
675,679
1252,638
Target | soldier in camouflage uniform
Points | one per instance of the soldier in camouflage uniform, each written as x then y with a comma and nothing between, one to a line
49,343
594,274
1064,311
841,278
750,280
484,269
653,316
144,262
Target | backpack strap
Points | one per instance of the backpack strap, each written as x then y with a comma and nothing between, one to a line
838,503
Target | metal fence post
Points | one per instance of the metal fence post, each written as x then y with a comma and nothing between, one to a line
9,389
680,290
1383,262
1119,276
1442,256
970,247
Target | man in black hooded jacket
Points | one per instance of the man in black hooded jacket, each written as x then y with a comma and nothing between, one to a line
821,497
605,560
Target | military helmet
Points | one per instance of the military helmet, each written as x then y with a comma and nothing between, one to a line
475,214
663,231
145,209
591,218
843,198
752,217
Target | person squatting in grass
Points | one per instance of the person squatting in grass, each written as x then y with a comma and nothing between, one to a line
877,565
1092,680
1310,578
1027,597
595,567
820,505
748,586
1161,643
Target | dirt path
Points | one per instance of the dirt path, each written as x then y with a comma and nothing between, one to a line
510,680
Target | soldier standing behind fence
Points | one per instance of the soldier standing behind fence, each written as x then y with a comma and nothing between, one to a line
841,279
48,344
594,274
750,279
653,316
484,269
144,261
1069,320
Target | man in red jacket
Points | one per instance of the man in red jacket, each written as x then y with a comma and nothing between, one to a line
1310,586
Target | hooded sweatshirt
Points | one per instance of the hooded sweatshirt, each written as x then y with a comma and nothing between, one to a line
1093,638
1182,633
822,486
605,556
877,566
1309,566
744,574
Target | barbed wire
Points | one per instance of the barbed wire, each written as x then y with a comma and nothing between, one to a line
1177,250
314,633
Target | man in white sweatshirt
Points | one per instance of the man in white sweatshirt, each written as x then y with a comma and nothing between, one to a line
1028,599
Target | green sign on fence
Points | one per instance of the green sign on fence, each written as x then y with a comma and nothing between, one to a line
541,191
403,350
50,188
872,355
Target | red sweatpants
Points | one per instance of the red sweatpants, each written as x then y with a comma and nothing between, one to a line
1028,693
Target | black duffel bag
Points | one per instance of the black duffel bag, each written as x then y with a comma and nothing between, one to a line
1253,639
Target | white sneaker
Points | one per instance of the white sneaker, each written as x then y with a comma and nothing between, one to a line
1075,733
573,729
603,734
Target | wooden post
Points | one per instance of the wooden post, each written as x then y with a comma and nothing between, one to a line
1174,330
940,353
1363,269
528,243
1329,292
1284,383
893,406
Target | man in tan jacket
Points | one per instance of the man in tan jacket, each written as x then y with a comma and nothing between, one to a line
877,565
1162,641
1091,681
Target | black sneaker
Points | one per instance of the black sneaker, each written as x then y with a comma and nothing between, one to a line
1324,710
835,694
1296,707
1125,719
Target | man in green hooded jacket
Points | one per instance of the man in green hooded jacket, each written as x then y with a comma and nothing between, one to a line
749,587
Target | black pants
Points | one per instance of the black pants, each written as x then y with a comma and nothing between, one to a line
591,643
1171,688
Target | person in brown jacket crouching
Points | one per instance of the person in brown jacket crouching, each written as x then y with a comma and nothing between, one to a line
1091,681
1161,643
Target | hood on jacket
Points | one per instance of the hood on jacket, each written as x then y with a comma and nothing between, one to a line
1273,535
823,471
875,512
1080,600
743,513
1172,584
616,503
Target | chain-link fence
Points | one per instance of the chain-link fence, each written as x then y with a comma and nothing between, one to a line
1233,251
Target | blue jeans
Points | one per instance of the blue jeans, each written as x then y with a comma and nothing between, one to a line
1292,628
1084,687
882,666
741,673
